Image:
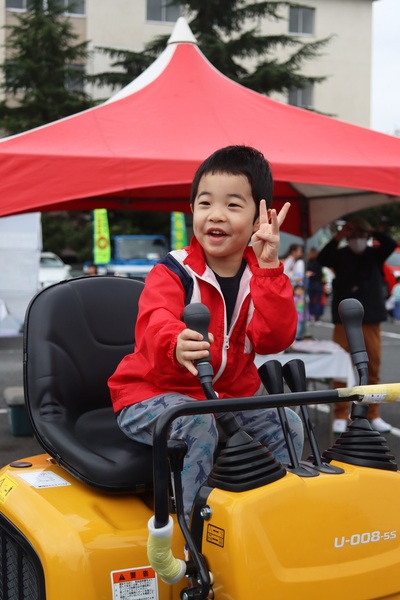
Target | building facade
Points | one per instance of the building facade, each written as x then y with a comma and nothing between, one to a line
345,61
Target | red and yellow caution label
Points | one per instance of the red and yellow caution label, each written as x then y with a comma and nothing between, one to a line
134,584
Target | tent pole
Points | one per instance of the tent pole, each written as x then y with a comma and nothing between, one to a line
305,216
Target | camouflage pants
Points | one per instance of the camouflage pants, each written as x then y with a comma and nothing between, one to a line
200,433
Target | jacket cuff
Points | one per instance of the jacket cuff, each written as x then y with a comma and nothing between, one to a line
266,272
172,355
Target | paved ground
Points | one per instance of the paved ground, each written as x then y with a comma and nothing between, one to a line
11,354
12,447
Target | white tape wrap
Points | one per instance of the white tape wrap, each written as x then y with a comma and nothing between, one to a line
381,392
167,567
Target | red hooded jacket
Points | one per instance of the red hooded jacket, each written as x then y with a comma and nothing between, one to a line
264,322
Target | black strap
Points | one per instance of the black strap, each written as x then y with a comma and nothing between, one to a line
187,282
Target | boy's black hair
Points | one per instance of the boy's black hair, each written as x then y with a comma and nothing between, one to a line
239,160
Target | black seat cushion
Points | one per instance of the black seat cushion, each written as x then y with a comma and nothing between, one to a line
76,332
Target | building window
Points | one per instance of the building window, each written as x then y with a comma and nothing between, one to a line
75,78
302,97
20,4
162,10
301,20
10,76
72,7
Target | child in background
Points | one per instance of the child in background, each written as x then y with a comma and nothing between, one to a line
299,302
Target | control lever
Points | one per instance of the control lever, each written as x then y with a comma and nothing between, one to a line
272,378
240,447
359,444
197,317
351,314
294,373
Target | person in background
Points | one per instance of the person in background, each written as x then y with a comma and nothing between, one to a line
390,279
293,264
395,301
92,269
358,270
390,282
299,302
315,286
388,275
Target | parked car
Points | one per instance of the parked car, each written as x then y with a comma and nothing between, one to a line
52,269
393,262
133,255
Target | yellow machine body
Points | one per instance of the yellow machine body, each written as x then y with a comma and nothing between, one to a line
327,537
91,545
306,538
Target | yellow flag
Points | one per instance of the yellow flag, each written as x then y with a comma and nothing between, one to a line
101,237
178,231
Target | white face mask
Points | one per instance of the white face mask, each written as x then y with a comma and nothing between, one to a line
358,245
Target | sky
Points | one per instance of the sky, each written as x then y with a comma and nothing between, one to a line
385,96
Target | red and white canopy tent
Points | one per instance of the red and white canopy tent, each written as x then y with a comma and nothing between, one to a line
140,149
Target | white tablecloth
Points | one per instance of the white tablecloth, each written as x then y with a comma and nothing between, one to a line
336,365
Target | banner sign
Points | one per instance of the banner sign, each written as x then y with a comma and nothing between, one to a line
178,231
101,237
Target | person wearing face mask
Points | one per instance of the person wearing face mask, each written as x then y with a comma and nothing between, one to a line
358,268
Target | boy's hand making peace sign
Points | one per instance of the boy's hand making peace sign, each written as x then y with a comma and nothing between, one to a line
265,240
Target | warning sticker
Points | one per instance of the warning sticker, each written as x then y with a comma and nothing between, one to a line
215,535
7,485
43,479
134,584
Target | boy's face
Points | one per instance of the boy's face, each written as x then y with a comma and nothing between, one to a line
224,219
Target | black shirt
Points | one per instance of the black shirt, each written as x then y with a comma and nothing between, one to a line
230,289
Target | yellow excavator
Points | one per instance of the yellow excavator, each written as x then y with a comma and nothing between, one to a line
95,517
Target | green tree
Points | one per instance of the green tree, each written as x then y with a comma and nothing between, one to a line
44,70
227,33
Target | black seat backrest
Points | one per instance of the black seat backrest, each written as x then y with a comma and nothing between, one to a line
76,332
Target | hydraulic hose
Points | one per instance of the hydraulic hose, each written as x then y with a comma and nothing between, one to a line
167,567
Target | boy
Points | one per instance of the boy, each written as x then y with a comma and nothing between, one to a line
251,305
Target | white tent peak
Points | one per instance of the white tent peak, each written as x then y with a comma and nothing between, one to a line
182,34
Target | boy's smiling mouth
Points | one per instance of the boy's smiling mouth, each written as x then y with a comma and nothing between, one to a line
216,233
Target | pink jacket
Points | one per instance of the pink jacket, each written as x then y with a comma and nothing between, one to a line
264,322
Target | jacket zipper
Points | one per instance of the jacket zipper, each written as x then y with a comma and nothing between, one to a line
225,346
226,342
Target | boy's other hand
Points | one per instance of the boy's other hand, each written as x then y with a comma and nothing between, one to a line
190,346
265,240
